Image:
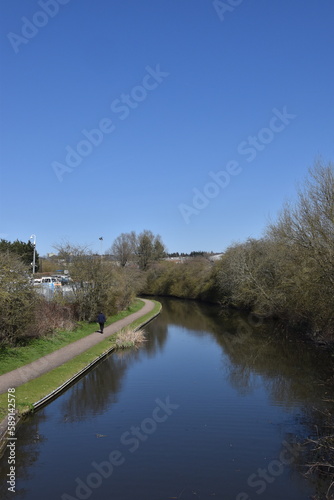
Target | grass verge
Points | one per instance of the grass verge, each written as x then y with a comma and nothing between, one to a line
31,392
15,357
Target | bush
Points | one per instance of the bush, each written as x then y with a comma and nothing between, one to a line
51,316
17,299
289,274
192,279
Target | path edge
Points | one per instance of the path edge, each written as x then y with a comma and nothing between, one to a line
4,436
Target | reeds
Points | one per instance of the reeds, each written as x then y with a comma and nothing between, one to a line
130,338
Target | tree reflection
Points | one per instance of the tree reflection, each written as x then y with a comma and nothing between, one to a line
253,352
29,442
189,314
291,370
156,336
96,390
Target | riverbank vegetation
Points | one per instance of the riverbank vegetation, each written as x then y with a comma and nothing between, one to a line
25,353
36,389
319,455
288,274
27,315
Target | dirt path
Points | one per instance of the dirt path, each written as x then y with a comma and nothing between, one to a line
50,361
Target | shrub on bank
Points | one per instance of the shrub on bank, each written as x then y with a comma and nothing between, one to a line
17,298
51,316
192,279
288,274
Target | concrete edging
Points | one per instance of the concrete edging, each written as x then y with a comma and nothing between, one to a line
53,394
68,382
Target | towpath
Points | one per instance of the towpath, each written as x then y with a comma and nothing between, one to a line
53,360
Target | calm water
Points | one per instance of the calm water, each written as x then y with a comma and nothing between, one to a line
210,407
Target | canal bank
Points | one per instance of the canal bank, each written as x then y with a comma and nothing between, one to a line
62,368
205,406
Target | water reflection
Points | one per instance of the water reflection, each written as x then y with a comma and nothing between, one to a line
96,391
238,364
292,369
155,343
27,454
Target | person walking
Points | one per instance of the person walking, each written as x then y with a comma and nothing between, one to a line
101,319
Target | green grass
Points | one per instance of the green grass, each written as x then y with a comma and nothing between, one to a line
15,357
31,392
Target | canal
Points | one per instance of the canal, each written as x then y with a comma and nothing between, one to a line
212,406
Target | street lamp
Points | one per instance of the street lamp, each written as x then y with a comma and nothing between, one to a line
101,245
33,237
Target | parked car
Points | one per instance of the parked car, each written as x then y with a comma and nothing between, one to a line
63,279
50,280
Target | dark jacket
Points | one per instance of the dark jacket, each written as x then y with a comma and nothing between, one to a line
101,318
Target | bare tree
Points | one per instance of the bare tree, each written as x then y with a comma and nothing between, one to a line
68,252
310,223
290,272
124,248
306,229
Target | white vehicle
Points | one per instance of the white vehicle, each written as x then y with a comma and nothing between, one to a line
50,280
37,281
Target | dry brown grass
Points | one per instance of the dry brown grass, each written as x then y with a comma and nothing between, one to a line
130,338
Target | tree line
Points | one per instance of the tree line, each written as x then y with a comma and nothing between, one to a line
142,249
97,284
287,274
22,250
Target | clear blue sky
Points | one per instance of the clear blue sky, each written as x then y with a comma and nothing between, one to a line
179,89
